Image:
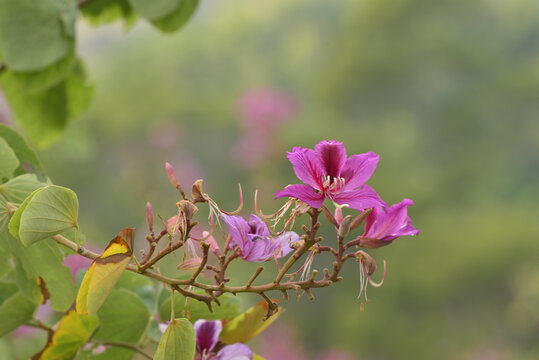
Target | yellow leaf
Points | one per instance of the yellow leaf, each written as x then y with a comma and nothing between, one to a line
73,332
246,326
105,272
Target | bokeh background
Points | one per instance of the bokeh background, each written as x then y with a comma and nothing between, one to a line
447,92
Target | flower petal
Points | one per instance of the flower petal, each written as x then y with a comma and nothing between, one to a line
238,229
260,227
358,169
235,351
255,250
332,157
302,192
207,332
306,166
283,242
360,199
390,224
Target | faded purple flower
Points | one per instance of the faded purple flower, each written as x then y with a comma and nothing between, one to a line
207,335
329,173
383,225
255,241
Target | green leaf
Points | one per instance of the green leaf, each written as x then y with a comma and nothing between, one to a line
14,312
5,212
15,222
124,318
5,266
28,285
44,259
99,12
178,18
44,115
24,153
155,9
72,333
18,188
35,34
178,342
194,310
43,79
246,326
51,210
9,160
7,289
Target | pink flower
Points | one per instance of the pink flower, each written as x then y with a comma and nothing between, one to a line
328,173
207,335
255,241
383,225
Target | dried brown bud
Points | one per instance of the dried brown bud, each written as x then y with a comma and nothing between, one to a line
196,191
368,260
301,207
188,208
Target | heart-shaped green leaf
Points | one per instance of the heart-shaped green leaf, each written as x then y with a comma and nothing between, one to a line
178,342
50,210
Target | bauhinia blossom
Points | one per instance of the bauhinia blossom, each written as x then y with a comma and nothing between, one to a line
328,173
254,240
383,225
207,335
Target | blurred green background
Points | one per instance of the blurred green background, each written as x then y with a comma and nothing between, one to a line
447,92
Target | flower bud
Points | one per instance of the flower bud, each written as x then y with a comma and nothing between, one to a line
360,218
196,191
330,216
214,247
338,215
172,176
190,264
149,216
188,208
344,227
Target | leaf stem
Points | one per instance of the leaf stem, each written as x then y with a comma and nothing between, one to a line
125,345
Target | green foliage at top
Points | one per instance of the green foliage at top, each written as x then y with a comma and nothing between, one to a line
44,82
36,34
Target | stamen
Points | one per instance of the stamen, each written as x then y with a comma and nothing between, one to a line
379,284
